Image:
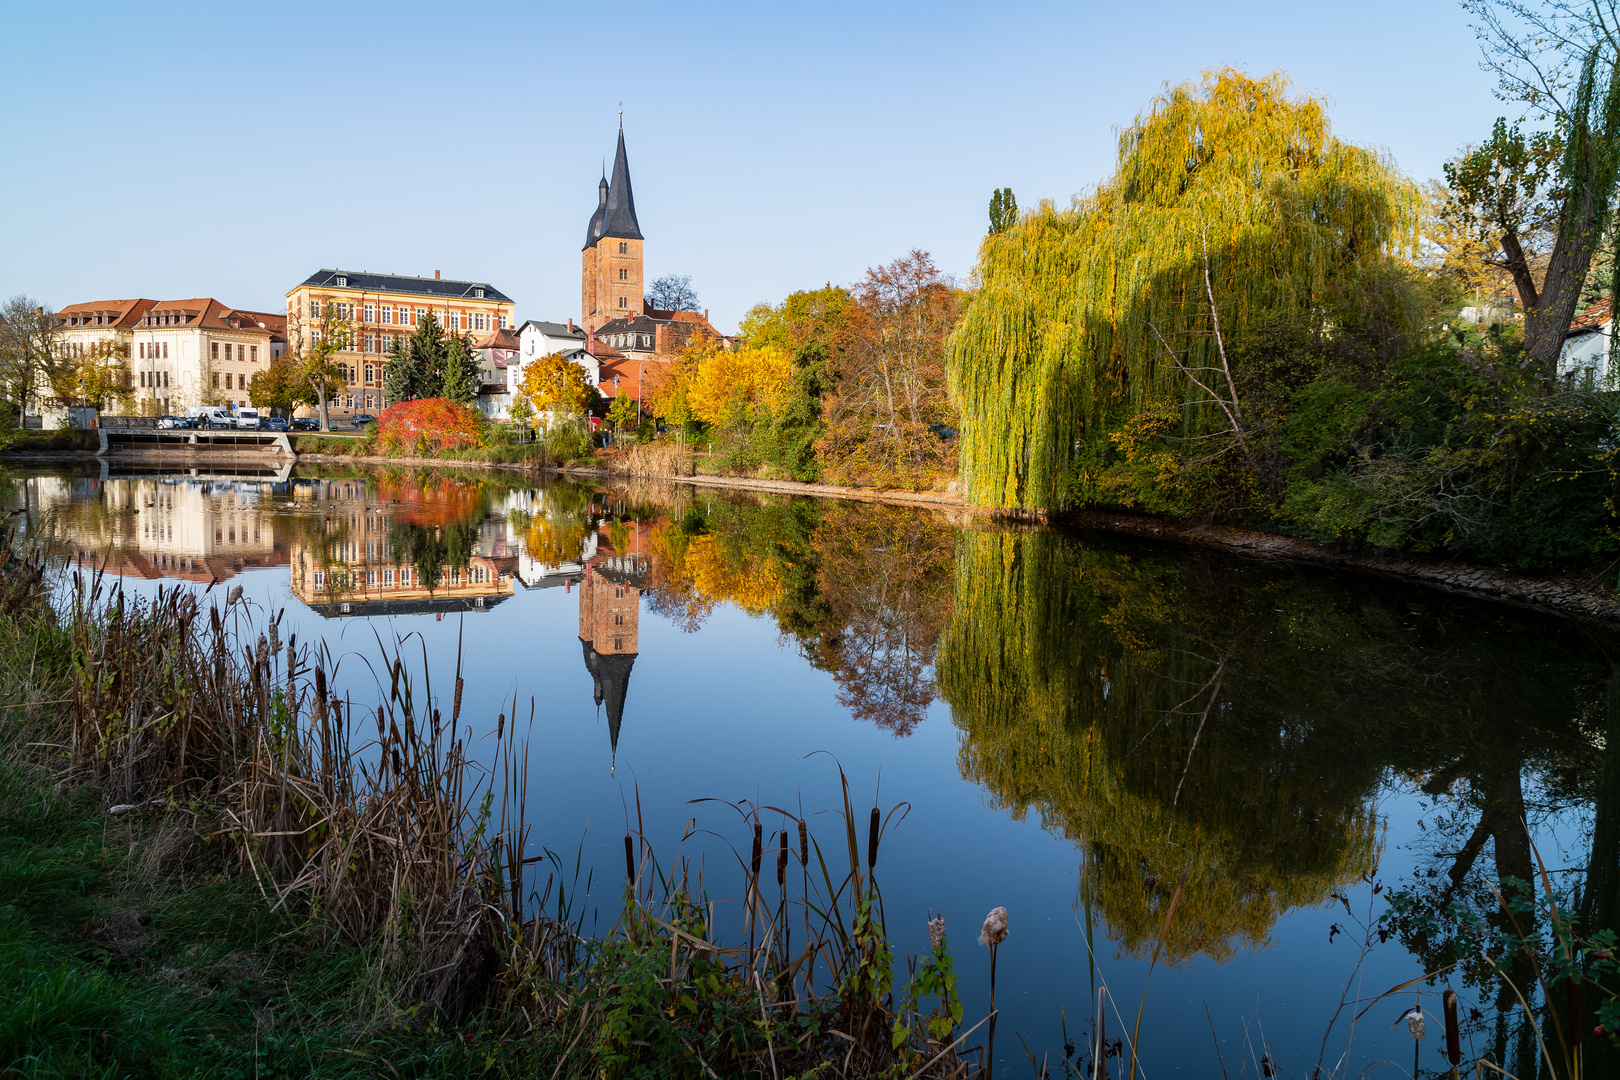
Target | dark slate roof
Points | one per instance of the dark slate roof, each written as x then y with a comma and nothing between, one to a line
593,231
398,283
554,329
620,219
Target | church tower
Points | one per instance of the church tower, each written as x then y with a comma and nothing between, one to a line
612,283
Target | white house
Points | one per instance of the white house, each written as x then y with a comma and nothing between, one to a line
544,338
1585,359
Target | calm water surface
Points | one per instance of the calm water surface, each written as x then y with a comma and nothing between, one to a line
1078,724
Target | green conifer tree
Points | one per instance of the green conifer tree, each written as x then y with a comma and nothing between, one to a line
1003,210
460,383
402,377
427,358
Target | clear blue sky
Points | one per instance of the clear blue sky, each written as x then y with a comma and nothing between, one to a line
169,150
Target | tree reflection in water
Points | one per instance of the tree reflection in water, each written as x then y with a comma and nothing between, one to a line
1176,711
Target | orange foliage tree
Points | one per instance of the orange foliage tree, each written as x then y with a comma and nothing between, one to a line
428,424
888,380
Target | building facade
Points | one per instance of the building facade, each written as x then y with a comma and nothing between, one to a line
178,352
383,309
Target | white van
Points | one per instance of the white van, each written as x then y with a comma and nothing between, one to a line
210,416
247,418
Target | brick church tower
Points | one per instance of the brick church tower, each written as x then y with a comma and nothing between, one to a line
611,279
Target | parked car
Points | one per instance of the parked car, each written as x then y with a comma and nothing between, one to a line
272,423
210,416
247,418
304,423
169,423
362,419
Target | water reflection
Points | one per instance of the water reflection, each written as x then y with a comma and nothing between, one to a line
1180,718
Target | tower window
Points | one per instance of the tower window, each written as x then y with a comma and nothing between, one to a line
624,275
623,302
624,248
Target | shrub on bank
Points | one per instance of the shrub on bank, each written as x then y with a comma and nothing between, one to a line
428,425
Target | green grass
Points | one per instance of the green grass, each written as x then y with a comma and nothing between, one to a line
125,953
33,442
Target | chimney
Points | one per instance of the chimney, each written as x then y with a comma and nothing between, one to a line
435,275
570,324
590,342
705,314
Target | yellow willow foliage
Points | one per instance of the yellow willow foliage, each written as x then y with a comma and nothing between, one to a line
1074,675
752,378
1079,310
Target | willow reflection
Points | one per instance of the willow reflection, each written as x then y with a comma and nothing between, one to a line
1169,719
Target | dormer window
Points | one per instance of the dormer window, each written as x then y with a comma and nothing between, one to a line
478,293
342,282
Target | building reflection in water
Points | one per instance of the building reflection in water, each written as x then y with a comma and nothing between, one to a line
609,620
188,528
372,552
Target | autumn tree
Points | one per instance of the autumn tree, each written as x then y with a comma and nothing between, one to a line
1233,208
29,351
313,344
553,387
888,395
282,386
624,413
1518,189
98,377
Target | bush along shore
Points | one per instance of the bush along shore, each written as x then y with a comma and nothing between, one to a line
213,866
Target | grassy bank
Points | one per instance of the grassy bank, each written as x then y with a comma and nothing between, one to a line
213,867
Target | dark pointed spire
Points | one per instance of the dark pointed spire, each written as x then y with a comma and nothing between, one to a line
610,674
620,220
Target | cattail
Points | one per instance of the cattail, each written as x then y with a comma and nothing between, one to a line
995,927
398,770
759,835
455,709
393,685
1453,1029
804,846
629,860
500,726
781,862
1572,1006
872,841
320,683
233,596
936,931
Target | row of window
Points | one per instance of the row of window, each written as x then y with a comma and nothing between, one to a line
241,382
155,379
249,353
630,341
477,575
154,350
389,315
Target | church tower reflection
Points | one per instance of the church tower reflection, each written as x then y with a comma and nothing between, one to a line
609,620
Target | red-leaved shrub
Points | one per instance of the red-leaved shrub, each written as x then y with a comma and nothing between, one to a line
428,424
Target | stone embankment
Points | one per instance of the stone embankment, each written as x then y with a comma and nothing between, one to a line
1578,597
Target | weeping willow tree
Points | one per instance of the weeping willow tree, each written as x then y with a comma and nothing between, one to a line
1232,202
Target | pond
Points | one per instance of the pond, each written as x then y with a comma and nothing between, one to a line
1139,750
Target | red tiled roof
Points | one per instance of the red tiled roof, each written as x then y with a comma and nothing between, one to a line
1593,318
122,312
499,339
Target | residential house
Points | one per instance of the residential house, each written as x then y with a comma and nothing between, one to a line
178,352
1585,357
